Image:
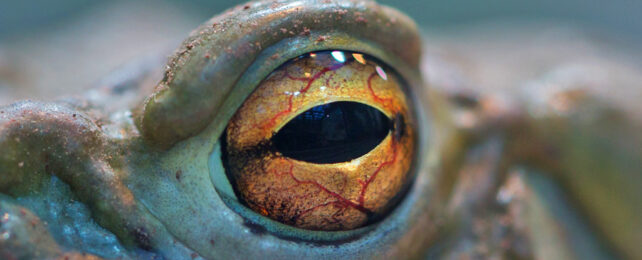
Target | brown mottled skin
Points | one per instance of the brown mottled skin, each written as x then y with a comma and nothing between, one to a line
133,169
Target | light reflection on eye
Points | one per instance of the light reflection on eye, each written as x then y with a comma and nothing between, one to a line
339,56
325,142
381,73
359,58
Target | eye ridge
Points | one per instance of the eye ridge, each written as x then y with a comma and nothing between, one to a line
332,133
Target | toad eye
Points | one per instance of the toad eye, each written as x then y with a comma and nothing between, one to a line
325,142
300,128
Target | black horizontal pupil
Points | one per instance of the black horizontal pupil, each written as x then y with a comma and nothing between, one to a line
332,133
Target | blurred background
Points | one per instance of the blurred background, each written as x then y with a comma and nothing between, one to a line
49,48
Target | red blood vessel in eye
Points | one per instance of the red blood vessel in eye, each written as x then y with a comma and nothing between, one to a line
324,143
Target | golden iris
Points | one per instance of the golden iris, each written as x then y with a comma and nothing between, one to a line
325,142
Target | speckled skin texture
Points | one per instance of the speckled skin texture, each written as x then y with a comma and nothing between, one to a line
133,169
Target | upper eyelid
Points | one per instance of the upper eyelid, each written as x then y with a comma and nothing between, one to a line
195,87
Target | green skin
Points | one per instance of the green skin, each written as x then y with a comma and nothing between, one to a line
135,170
